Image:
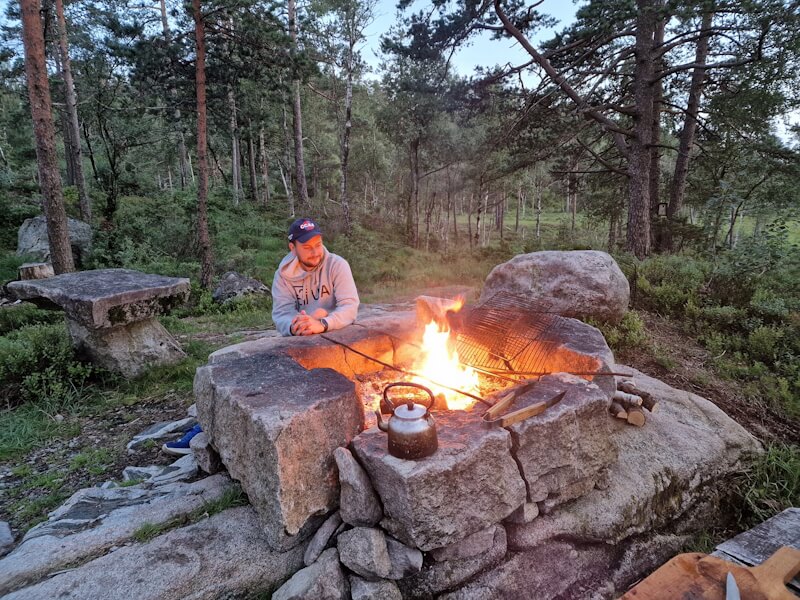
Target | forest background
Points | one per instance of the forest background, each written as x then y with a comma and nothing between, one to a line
189,135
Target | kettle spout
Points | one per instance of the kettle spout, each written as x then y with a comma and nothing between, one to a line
382,425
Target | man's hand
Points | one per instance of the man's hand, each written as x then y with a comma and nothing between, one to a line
304,324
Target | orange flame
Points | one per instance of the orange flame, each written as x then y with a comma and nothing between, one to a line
439,362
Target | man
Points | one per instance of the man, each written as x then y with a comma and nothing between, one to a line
313,290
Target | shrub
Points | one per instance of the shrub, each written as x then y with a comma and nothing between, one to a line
38,365
630,333
15,317
762,343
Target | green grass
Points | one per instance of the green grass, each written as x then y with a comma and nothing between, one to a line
771,483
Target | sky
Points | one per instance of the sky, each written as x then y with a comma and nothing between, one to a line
483,51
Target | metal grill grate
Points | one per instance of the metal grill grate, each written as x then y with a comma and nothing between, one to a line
508,333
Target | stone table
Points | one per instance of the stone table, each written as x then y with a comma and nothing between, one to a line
111,314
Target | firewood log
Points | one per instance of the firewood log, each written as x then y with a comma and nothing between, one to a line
647,398
617,411
626,399
636,416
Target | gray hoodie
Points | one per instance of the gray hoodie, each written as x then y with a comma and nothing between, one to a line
330,286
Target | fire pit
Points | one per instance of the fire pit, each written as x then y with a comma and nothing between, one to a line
277,408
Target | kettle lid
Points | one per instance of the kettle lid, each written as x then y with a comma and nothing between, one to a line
410,410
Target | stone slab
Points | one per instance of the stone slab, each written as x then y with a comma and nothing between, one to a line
276,425
470,482
224,556
204,453
94,520
565,450
106,297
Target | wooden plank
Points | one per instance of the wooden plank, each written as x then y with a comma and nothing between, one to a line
755,545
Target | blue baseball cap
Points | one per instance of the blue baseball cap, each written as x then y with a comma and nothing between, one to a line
303,230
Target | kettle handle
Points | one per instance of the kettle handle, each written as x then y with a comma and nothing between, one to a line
391,405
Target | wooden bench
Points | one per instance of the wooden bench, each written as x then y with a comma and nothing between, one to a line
110,314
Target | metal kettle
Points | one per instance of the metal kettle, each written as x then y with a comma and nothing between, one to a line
411,429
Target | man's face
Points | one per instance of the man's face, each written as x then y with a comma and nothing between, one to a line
308,253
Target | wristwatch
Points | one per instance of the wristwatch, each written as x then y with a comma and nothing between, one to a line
324,324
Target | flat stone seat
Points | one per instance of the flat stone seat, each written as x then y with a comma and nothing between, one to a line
110,314
106,297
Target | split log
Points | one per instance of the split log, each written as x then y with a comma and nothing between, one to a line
636,416
35,271
647,399
626,399
618,411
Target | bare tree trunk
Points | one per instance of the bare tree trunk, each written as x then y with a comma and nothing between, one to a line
678,187
183,155
655,135
538,213
348,124
46,156
413,195
300,167
287,177
519,207
251,161
638,234
236,170
469,221
72,116
572,195
262,146
203,237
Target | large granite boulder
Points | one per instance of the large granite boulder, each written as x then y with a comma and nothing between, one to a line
359,503
579,283
32,239
471,482
233,285
224,556
276,426
672,464
93,520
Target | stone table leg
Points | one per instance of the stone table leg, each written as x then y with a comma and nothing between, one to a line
127,349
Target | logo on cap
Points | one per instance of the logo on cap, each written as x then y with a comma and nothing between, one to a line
306,225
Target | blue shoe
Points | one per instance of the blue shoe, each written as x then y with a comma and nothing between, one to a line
181,446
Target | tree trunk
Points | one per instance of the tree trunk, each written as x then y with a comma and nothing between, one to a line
348,124
183,156
655,135
572,195
538,213
262,146
287,177
413,194
251,161
72,116
46,156
236,170
203,237
300,167
519,207
678,187
638,234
